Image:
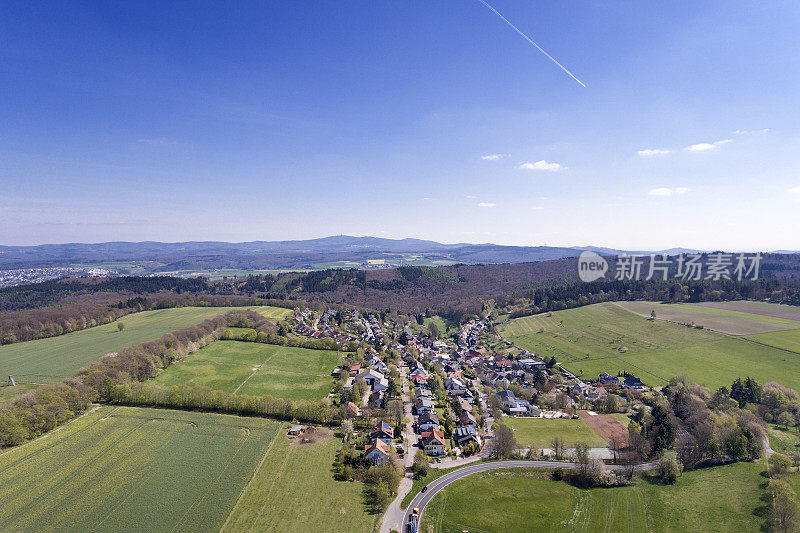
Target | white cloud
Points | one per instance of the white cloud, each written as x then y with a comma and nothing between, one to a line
751,132
470,197
542,165
704,147
486,204
666,191
654,151
426,199
493,157
795,190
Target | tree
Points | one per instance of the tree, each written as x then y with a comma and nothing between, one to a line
347,428
784,505
420,467
784,419
779,464
505,445
558,447
120,326
617,444
669,468
434,330
582,459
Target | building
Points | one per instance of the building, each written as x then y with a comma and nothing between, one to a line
377,452
463,435
383,432
427,421
433,442
351,409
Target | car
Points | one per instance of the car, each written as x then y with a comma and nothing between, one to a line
438,460
424,488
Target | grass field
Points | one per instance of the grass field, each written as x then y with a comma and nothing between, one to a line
256,369
8,393
722,320
786,441
132,469
50,360
273,313
294,491
607,338
539,432
725,498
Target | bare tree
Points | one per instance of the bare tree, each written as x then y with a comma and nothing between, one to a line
505,445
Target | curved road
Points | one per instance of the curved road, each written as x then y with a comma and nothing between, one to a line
422,499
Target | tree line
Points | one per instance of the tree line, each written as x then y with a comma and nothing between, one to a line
119,378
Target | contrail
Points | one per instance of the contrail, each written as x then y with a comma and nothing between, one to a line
551,58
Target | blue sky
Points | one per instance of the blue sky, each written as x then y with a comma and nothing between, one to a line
269,121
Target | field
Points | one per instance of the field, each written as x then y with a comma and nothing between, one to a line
256,369
539,432
725,498
132,469
273,313
607,338
294,491
722,320
786,441
50,360
791,312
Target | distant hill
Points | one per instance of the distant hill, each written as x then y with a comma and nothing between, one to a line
295,254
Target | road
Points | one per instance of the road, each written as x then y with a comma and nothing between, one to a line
393,518
422,499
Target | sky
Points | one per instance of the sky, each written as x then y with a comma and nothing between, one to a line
239,121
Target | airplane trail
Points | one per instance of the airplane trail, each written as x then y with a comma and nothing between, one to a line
551,58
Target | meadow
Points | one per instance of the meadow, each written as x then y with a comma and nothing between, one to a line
539,432
724,498
273,313
608,338
294,491
132,469
256,369
49,360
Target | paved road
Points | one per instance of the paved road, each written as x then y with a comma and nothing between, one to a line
422,499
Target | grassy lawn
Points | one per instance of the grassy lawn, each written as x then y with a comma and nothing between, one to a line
256,369
539,432
723,498
294,490
132,469
607,338
50,360
783,440
788,340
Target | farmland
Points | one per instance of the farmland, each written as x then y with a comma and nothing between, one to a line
294,491
539,432
55,358
132,469
607,338
273,313
724,498
256,369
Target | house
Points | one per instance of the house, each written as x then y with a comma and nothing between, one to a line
383,432
424,404
375,380
427,421
433,442
632,382
351,409
467,419
531,364
463,435
464,404
295,430
608,378
377,452
454,384
355,369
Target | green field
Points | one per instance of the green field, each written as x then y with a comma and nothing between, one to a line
53,359
256,369
294,491
132,469
722,320
786,441
539,432
787,340
725,498
607,338
273,313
